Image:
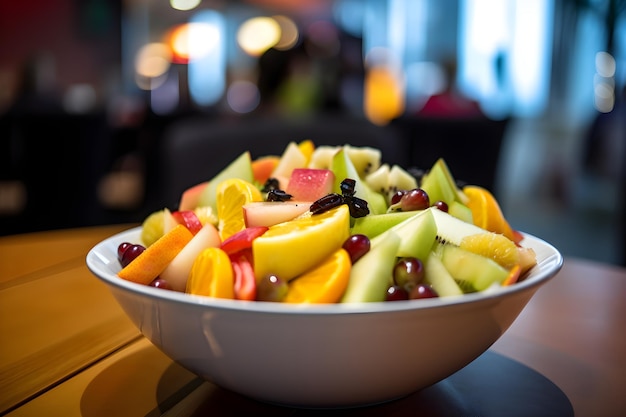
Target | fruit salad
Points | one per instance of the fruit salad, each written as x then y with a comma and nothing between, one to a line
328,224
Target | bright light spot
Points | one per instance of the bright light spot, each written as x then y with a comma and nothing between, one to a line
243,96
288,33
193,40
184,4
152,60
384,99
257,35
605,64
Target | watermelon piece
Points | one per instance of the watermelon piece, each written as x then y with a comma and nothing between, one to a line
310,184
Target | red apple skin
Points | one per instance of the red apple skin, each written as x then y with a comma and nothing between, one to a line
189,219
190,197
310,184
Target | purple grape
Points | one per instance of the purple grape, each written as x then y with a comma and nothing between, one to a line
422,291
396,293
416,199
131,253
271,288
357,246
408,273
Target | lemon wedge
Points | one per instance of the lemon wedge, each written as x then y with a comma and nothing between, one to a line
292,248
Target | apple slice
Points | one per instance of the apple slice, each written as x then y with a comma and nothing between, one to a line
269,213
310,184
291,158
177,271
189,219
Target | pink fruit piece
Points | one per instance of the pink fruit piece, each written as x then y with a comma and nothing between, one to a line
310,184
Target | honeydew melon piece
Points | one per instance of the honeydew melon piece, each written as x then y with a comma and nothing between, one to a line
369,276
473,272
438,277
322,157
437,186
417,235
375,224
400,179
461,211
239,168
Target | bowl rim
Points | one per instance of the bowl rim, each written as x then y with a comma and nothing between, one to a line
549,263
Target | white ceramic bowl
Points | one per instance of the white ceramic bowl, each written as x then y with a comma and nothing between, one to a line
324,355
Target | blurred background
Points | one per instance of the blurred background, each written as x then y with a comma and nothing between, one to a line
110,108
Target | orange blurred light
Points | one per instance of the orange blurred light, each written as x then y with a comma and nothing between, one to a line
383,99
192,40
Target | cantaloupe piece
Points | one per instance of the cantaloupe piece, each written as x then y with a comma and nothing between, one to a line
263,167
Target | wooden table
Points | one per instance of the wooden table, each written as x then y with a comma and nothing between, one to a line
67,349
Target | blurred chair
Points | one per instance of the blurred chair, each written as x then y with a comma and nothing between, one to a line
195,149
470,146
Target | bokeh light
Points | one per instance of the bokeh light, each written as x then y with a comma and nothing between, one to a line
258,34
289,33
192,41
243,96
184,4
153,60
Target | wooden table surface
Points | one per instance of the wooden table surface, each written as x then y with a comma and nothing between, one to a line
67,348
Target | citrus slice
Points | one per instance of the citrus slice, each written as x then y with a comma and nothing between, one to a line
486,211
211,275
292,248
493,245
232,195
325,283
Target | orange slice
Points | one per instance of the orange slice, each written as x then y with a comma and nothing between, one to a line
290,249
151,262
323,284
212,275
486,211
493,245
231,196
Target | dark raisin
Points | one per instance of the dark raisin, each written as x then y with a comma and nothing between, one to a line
347,187
326,203
270,184
278,195
358,206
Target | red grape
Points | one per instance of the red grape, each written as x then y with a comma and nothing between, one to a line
131,253
442,205
396,293
271,288
121,249
357,246
422,291
160,283
397,196
416,199
408,273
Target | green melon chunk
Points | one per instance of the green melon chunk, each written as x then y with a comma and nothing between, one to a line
475,272
239,168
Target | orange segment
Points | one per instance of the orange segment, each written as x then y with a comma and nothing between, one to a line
151,262
486,211
493,245
232,195
212,275
323,284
